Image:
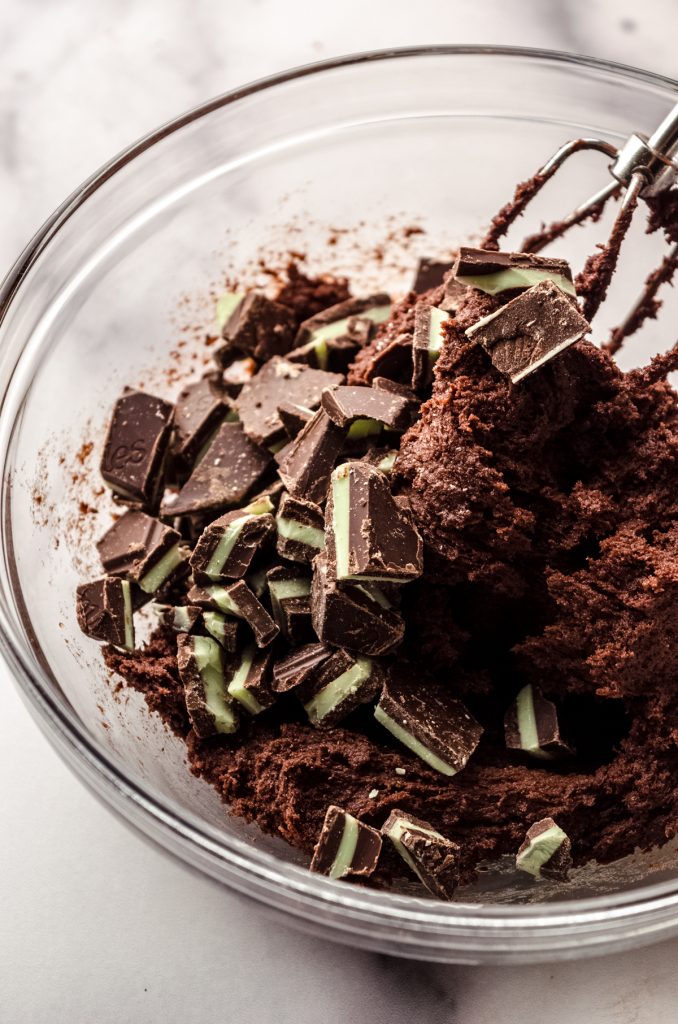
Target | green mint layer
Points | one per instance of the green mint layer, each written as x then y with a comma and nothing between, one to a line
207,655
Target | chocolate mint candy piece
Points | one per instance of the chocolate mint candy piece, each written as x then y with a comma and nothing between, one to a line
136,445
546,851
257,327
293,418
336,353
300,526
298,666
278,381
290,590
199,410
237,374
228,545
238,600
531,725
383,459
370,536
433,725
432,857
307,466
104,611
184,618
338,686
226,306
222,628
297,624
250,683
496,272
230,468
393,360
143,550
430,274
359,617
201,669
347,405
333,322
427,343
529,330
345,846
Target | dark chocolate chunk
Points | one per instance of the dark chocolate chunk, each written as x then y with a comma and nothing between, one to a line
393,360
370,535
529,330
301,529
546,851
293,418
250,683
427,344
345,846
495,272
336,353
237,599
201,667
290,591
144,550
237,374
427,720
224,629
227,546
298,666
308,463
136,445
338,686
333,322
184,618
199,410
430,274
346,405
257,327
432,857
531,725
358,617
395,388
228,471
104,611
278,381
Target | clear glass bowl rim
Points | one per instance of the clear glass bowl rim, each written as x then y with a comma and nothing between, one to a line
425,928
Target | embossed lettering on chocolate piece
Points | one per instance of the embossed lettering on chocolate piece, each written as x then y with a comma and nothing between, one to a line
427,343
257,327
279,380
227,546
531,725
201,669
432,857
250,683
199,410
546,851
104,611
338,686
370,536
309,460
427,720
229,470
496,272
136,445
298,666
300,529
237,599
530,330
358,617
144,550
346,846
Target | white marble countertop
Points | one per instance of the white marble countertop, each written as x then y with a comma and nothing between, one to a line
95,925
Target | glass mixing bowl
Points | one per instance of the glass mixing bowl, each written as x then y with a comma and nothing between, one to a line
123,274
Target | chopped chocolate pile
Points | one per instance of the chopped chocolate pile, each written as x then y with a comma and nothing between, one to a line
430,596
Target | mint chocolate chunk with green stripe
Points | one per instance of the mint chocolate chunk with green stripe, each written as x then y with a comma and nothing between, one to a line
427,343
346,406
300,529
333,322
338,686
104,611
201,668
531,725
256,326
184,618
290,592
546,851
223,628
144,550
237,600
424,717
497,272
370,536
299,666
346,846
358,617
433,858
227,546
250,682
